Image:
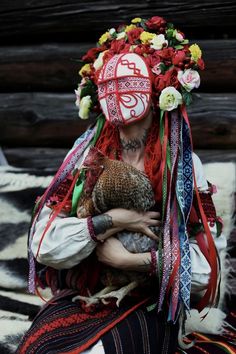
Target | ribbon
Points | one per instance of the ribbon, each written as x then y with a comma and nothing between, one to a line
210,296
67,166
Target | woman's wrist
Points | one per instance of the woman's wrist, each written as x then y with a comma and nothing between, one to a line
102,223
114,216
140,262
101,227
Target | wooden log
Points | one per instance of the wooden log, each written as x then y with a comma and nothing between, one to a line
39,119
53,18
54,67
49,159
45,67
43,119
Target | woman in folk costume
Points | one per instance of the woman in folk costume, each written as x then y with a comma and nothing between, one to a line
127,232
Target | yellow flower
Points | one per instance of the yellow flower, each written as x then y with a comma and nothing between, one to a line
84,107
85,70
145,37
195,51
136,20
104,37
129,28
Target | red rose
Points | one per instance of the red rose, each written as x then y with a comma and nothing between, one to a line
159,83
91,54
166,55
170,78
119,46
201,64
134,35
155,22
153,60
142,49
179,57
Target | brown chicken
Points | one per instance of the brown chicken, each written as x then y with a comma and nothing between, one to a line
115,184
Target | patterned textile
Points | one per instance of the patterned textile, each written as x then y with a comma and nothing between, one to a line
124,88
142,332
208,207
65,169
215,344
69,327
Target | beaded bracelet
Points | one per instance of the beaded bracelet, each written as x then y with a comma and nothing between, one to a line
91,229
153,262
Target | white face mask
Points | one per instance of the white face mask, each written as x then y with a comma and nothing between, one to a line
124,89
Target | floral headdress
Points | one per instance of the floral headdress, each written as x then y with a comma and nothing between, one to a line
173,62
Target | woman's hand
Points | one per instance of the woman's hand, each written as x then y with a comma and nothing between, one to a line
114,254
135,221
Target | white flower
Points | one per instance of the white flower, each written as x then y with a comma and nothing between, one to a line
178,35
189,79
112,31
158,41
120,35
77,93
99,61
169,99
84,107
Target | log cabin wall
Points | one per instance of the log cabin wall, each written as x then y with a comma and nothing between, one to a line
41,43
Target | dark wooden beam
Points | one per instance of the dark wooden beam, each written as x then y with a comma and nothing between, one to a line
40,119
79,18
54,67
49,159
43,119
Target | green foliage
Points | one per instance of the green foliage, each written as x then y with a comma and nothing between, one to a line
89,89
179,46
187,97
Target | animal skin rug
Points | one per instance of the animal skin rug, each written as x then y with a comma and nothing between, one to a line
18,190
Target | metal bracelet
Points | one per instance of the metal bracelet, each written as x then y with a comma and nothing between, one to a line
101,223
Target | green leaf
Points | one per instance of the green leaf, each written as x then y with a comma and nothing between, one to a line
170,25
185,41
219,228
169,33
187,96
89,90
114,35
179,46
142,23
151,307
163,67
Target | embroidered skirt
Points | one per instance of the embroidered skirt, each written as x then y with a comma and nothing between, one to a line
63,326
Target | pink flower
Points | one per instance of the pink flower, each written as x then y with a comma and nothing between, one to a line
189,79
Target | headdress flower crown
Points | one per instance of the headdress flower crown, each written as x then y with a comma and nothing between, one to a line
173,62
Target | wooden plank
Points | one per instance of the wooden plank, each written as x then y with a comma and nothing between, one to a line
49,159
39,119
51,18
54,66
45,67
208,156
43,119
43,159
